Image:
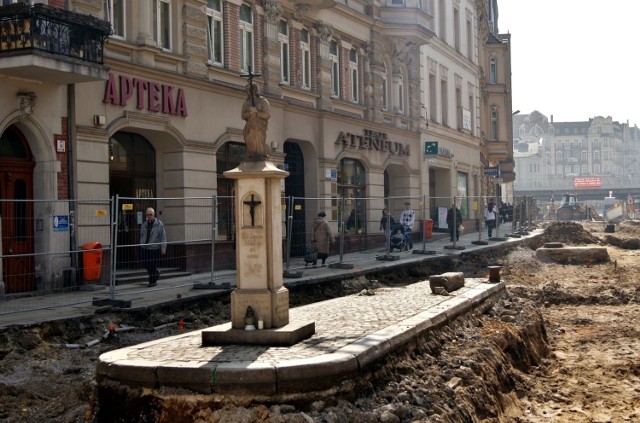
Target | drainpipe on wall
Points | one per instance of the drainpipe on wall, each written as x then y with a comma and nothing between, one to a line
71,124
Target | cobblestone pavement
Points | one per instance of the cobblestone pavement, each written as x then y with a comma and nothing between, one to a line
350,333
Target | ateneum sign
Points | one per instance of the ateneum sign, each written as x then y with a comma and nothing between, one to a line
373,140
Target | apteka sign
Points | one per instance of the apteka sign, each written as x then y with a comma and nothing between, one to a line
153,96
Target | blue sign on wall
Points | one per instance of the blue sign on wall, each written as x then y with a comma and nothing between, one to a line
61,223
492,171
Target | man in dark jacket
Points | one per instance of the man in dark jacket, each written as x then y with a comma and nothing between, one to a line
154,243
454,220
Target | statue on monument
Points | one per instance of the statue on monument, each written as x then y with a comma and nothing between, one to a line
255,111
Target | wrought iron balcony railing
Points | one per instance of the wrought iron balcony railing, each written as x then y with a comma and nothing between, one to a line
52,30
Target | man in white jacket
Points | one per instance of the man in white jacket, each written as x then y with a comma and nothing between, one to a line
490,216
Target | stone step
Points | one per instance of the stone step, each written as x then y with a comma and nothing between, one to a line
140,275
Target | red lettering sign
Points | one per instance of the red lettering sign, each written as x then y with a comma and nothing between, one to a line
587,182
153,96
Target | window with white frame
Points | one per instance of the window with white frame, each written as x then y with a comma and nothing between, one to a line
469,39
398,93
335,69
444,102
215,34
353,74
493,70
596,169
162,23
306,59
385,91
494,125
114,13
433,98
246,38
283,39
456,29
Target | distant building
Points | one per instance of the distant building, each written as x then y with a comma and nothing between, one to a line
593,156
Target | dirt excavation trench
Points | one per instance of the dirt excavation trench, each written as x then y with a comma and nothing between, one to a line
561,346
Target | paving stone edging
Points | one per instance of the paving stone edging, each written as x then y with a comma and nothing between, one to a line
287,377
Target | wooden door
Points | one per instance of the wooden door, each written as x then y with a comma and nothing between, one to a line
16,193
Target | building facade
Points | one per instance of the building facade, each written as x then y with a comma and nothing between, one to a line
596,157
142,99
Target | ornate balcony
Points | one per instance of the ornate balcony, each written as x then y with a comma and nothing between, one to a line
44,43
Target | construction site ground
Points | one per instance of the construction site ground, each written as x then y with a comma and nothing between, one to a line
563,346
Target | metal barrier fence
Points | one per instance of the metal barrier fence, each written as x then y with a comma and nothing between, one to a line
60,252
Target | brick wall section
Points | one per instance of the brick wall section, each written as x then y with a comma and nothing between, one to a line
63,158
60,4
295,58
232,36
313,48
345,81
258,47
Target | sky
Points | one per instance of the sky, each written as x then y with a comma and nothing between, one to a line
574,59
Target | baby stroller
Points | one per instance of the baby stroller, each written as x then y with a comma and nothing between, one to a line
398,239
310,255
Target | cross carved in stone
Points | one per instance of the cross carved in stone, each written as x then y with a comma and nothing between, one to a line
253,203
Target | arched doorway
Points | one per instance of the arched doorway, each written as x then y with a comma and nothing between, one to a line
16,191
132,175
294,187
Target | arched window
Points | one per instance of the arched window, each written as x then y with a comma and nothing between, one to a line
352,186
228,157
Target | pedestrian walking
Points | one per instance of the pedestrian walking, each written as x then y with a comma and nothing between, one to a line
407,219
387,223
322,236
154,244
490,216
454,221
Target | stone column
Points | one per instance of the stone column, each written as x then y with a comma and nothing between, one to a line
259,245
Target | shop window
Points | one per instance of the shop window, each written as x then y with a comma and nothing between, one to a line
352,187
228,157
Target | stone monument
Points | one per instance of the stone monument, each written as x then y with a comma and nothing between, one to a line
259,267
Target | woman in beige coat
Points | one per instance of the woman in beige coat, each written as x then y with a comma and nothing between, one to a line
322,236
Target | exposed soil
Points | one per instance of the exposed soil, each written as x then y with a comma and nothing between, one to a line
562,346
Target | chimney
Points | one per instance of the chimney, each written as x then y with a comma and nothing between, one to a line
551,118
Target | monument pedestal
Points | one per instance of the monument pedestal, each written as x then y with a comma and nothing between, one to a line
258,214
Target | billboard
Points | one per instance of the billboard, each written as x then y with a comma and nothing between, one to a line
587,182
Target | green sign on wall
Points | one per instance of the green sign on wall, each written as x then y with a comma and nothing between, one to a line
431,148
